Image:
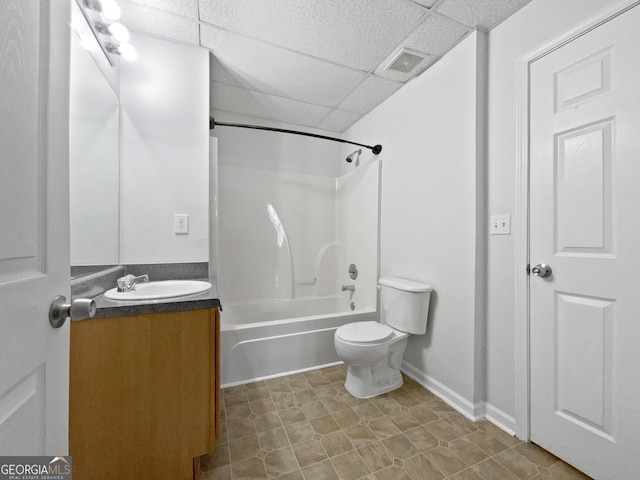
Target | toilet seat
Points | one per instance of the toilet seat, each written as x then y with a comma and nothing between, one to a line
364,332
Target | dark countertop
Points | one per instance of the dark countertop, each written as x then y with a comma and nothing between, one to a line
115,308
93,285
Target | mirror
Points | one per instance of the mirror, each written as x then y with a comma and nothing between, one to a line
139,152
94,160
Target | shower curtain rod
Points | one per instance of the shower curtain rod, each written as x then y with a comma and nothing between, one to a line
376,149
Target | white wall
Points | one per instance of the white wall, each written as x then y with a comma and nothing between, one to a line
534,25
430,198
165,152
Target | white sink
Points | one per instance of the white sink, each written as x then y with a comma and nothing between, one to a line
163,289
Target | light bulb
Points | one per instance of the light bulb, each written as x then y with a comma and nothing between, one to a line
128,52
110,9
119,32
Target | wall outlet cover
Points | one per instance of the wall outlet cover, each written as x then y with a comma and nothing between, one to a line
182,224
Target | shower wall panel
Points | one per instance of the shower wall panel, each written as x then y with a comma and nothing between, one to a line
255,263
357,221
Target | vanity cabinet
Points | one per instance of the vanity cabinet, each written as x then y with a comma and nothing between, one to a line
144,394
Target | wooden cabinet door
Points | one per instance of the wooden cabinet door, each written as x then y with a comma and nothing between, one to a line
143,396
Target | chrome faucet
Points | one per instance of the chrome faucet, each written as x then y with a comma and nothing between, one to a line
350,288
129,282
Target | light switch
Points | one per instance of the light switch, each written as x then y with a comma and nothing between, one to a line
500,225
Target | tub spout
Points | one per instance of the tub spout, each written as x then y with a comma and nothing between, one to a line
350,288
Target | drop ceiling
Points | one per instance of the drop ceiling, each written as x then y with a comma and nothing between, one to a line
315,63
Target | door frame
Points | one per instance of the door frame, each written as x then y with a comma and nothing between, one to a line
522,319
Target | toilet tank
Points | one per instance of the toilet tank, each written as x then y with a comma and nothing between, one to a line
405,304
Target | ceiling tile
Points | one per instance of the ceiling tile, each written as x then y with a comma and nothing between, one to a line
426,3
484,13
356,33
156,22
187,8
339,121
369,94
239,100
435,36
266,68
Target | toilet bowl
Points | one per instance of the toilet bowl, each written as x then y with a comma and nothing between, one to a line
373,351
373,363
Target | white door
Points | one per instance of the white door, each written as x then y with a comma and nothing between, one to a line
585,223
34,225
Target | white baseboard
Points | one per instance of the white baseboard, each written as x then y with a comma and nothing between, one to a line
473,411
500,419
453,399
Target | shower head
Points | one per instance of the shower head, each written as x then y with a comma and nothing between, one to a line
349,158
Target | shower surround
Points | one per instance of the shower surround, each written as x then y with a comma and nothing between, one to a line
286,240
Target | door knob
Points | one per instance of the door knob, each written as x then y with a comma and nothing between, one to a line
78,309
542,270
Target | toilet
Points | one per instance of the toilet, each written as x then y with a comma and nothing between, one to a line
373,351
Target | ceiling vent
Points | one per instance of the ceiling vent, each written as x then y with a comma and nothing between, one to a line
403,64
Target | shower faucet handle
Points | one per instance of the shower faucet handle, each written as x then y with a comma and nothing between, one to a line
350,288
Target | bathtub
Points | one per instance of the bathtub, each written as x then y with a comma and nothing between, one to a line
260,340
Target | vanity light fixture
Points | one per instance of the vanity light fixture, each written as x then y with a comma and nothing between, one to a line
125,50
108,8
118,31
112,37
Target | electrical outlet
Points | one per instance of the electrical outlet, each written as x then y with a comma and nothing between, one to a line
182,223
500,225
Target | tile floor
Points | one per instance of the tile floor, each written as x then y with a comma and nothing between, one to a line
308,427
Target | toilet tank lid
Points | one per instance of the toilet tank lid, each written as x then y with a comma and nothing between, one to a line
404,284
